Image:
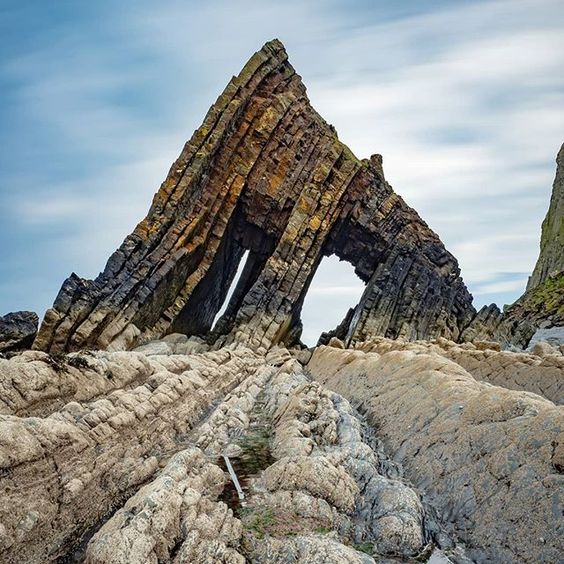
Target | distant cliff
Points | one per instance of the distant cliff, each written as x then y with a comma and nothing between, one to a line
551,257
539,312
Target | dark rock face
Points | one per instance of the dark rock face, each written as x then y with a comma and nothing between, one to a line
542,307
484,324
17,330
264,173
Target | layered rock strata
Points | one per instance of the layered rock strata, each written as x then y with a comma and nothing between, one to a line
541,374
489,459
174,518
264,173
148,450
55,465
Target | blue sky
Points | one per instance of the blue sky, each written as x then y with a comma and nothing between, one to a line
465,100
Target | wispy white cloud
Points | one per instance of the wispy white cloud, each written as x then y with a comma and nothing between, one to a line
499,287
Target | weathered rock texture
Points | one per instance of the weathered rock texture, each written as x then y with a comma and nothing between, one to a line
17,330
541,307
143,433
541,372
142,444
489,459
265,173
484,325
62,472
174,518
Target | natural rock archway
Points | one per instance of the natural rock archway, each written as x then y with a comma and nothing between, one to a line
264,173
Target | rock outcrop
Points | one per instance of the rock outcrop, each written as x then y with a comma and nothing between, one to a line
264,173
318,485
541,307
551,258
17,331
484,325
540,372
488,458
409,455
54,465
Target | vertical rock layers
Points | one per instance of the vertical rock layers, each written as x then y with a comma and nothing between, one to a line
264,173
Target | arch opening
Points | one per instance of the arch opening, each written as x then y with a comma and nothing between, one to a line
334,289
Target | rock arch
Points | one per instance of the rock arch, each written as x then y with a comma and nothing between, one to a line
265,173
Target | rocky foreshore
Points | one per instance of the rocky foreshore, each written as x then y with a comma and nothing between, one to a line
383,453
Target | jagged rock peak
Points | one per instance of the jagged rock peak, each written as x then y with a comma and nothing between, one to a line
551,257
264,173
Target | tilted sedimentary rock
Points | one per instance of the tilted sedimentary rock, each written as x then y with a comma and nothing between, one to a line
543,375
17,330
484,324
489,459
130,474
143,433
176,517
63,471
264,173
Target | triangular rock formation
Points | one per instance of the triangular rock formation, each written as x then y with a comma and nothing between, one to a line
265,173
